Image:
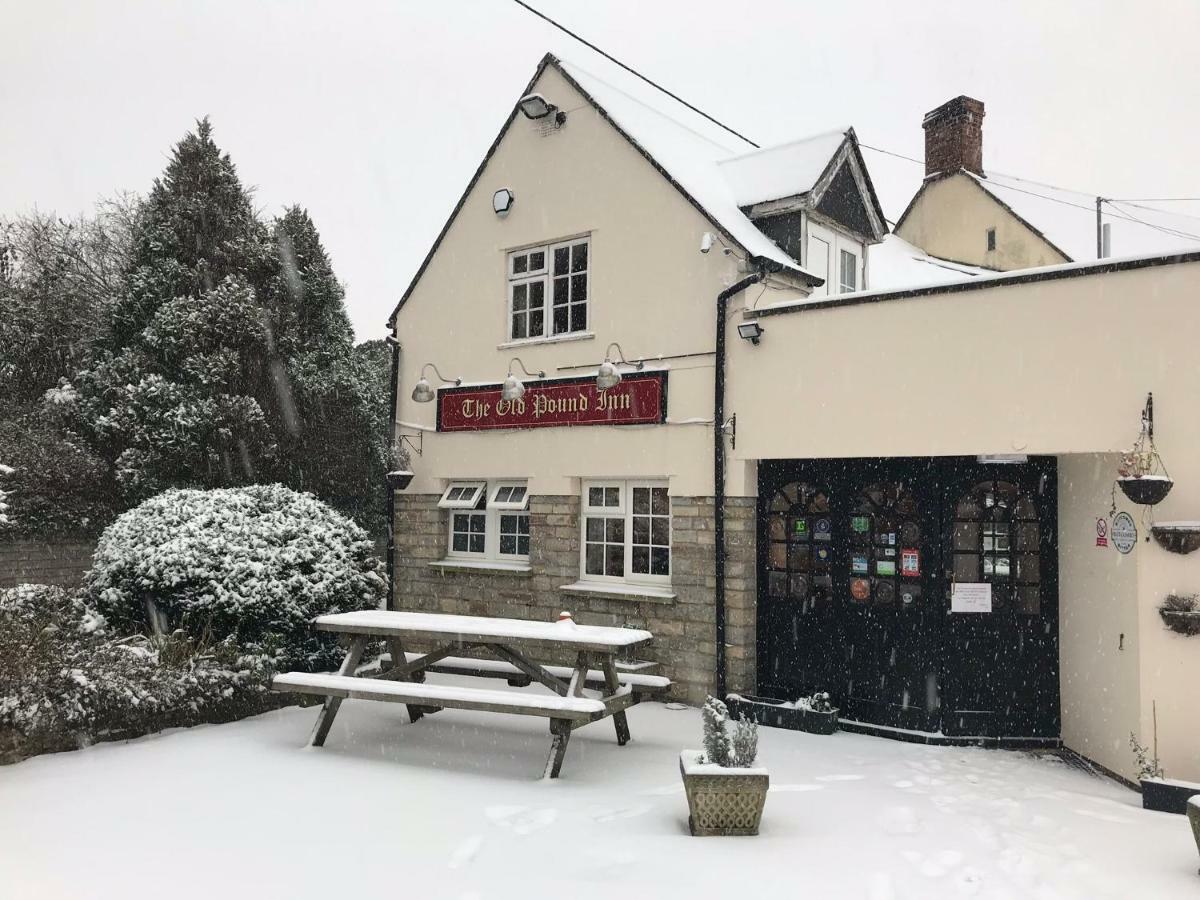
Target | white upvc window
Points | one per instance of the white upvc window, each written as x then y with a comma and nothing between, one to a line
548,290
626,532
848,275
488,520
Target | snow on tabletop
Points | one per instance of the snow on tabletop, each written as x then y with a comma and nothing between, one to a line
517,629
690,759
452,807
435,692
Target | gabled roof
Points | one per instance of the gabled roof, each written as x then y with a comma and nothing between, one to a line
685,152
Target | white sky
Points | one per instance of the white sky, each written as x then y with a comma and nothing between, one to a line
373,115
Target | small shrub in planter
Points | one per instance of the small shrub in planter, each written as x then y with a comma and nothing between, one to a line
253,564
1181,613
1158,792
725,792
815,714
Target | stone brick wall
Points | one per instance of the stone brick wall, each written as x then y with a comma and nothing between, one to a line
684,630
61,563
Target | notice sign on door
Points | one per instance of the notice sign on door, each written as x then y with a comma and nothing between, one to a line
971,597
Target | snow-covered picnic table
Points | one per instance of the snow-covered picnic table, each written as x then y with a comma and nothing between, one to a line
510,642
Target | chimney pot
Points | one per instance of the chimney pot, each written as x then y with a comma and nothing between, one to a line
954,136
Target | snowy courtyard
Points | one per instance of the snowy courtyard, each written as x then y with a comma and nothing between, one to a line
453,807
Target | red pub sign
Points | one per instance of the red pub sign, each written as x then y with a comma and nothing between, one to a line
640,399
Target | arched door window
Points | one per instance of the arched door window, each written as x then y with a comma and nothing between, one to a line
997,540
800,547
886,547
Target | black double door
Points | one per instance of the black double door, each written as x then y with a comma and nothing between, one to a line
920,593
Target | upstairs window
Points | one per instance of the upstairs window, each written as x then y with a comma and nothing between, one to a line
991,239
848,280
548,290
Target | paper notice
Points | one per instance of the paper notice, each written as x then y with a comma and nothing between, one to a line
971,597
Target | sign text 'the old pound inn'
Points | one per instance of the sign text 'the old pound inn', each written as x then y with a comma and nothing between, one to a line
639,399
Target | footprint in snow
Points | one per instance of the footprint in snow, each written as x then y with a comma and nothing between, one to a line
522,819
612,815
465,852
840,777
900,820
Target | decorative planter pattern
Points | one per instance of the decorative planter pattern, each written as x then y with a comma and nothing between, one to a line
1145,490
722,801
1165,795
1177,537
777,714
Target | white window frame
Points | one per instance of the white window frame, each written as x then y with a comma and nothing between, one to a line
546,277
624,511
493,511
844,255
454,497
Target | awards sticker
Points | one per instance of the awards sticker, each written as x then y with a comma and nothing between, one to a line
860,524
823,526
885,567
800,527
823,554
858,565
860,588
910,563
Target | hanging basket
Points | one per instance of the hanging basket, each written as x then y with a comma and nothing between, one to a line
1145,490
1177,537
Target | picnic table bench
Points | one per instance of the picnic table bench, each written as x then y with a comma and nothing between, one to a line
509,641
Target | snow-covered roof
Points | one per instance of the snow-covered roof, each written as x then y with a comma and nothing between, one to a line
895,263
783,171
689,149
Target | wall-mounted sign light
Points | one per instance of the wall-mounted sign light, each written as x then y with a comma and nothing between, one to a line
502,201
513,389
750,331
535,106
423,391
608,375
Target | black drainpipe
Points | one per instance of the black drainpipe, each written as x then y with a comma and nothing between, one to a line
391,493
719,470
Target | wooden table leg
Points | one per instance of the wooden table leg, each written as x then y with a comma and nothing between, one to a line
561,729
612,685
396,649
330,708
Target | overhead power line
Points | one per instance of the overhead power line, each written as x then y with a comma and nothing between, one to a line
635,72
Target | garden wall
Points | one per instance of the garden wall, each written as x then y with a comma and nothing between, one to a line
60,563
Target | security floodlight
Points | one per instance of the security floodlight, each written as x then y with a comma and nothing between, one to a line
513,389
608,375
535,106
750,331
502,201
706,241
423,391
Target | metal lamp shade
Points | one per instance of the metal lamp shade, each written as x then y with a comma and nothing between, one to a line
513,389
423,391
608,376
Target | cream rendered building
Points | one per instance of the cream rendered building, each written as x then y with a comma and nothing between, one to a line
889,457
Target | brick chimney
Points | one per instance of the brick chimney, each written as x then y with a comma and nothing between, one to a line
954,137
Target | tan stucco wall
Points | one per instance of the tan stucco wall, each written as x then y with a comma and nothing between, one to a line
950,219
651,290
1055,367
1097,604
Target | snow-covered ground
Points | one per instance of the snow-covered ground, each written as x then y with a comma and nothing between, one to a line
452,808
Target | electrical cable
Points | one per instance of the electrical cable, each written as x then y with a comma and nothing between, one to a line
633,71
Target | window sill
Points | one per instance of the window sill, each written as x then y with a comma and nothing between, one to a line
554,339
482,565
614,591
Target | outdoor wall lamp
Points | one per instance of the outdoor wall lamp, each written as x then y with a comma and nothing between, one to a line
535,106
608,375
513,388
750,331
502,201
423,391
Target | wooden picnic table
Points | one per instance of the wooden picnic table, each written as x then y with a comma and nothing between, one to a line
510,642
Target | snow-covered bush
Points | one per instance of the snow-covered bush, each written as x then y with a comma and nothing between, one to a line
5,518
65,680
254,564
720,749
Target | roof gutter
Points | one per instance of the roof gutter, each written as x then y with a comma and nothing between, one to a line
765,267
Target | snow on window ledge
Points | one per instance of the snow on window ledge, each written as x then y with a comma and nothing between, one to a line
482,565
617,591
553,339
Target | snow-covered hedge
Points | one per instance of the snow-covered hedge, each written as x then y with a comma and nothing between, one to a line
66,680
255,564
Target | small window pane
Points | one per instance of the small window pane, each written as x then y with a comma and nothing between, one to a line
518,326
966,567
660,531
562,260
660,561
579,317
641,560
578,288
537,294
612,496
579,257
562,291
660,501
614,530
614,560
595,529
562,321
460,542
508,544
537,323
595,496
520,263
641,501
641,530
595,559
523,543
537,260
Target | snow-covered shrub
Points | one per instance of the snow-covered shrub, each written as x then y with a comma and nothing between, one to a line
5,518
738,751
818,702
1148,766
254,564
745,742
65,680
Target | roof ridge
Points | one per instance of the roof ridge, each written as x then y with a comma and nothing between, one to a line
843,132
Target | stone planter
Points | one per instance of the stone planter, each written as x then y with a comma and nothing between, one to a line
1167,795
1193,814
722,801
778,714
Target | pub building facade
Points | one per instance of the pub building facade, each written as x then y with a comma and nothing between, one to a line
908,482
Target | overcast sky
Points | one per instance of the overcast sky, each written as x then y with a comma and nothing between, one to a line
373,115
